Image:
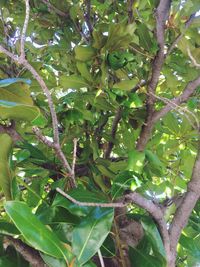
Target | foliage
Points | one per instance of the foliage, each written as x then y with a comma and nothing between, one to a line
98,81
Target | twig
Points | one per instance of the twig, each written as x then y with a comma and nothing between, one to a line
41,137
113,132
188,91
100,258
90,204
74,158
23,34
180,110
179,37
29,254
194,62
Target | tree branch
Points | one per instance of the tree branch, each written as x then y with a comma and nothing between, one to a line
161,17
29,254
188,91
185,209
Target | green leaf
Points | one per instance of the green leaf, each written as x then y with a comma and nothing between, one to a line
126,85
34,232
53,262
6,144
7,82
153,235
191,245
135,161
7,228
79,194
144,36
84,53
90,234
140,258
16,103
122,182
72,81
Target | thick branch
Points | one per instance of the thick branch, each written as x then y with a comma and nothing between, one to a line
161,17
185,209
29,254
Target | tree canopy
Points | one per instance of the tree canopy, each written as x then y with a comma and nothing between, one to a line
99,133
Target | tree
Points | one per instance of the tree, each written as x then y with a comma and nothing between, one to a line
99,133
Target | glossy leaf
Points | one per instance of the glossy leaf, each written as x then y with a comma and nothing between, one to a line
72,81
90,234
34,232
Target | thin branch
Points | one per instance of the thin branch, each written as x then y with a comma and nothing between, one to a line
23,35
42,138
194,62
29,254
54,9
74,157
90,204
180,110
180,36
113,132
185,209
100,258
189,90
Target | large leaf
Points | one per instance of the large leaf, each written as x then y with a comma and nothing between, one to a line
153,236
72,81
126,85
90,234
34,232
15,100
139,258
84,53
191,245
